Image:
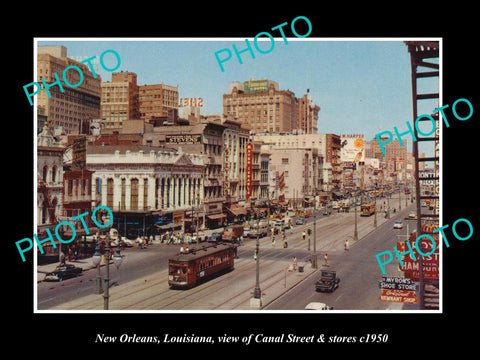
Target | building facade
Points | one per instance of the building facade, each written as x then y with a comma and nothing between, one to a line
156,100
137,181
328,147
119,99
74,107
295,173
261,105
49,180
268,111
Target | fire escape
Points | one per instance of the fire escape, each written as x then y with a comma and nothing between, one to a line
421,55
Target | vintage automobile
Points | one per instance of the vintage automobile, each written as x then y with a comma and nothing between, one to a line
300,221
398,225
328,281
318,306
215,237
232,233
63,272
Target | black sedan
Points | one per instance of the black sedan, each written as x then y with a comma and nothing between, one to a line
63,272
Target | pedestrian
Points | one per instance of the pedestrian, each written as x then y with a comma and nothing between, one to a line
62,258
273,240
294,263
304,234
325,258
345,246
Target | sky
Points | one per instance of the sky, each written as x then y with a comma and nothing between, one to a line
362,86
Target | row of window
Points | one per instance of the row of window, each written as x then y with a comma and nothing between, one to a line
212,261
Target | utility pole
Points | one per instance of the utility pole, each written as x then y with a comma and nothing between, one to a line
314,255
256,301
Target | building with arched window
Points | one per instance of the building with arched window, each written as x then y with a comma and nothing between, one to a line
49,182
140,182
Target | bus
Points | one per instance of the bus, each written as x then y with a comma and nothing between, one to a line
367,209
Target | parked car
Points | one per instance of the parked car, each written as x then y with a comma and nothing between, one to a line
328,281
215,237
412,215
124,242
201,237
232,233
63,272
318,306
300,221
261,230
398,225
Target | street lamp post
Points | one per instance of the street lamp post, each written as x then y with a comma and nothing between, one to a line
257,292
314,255
355,231
399,200
388,207
117,260
96,259
256,301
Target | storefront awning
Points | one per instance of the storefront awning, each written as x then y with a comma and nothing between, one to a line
237,210
216,216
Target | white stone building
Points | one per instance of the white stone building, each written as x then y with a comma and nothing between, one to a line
139,178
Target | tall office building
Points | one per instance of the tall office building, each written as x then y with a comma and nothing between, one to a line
155,101
262,106
307,114
74,107
264,111
119,99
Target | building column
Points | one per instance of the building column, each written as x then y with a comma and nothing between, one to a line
161,193
180,191
173,191
128,192
151,193
140,193
103,190
189,191
117,192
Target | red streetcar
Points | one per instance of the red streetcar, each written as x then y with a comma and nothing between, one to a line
187,269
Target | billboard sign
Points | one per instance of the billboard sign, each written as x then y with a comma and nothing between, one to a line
183,139
397,283
353,148
430,262
398,296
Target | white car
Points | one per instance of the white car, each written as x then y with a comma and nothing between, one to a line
318,306
398,225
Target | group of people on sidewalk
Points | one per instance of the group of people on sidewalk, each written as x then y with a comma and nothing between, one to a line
176,237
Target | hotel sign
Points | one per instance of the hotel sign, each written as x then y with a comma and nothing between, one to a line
183,139
249,171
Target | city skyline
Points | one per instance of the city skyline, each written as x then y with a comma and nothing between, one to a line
362,86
